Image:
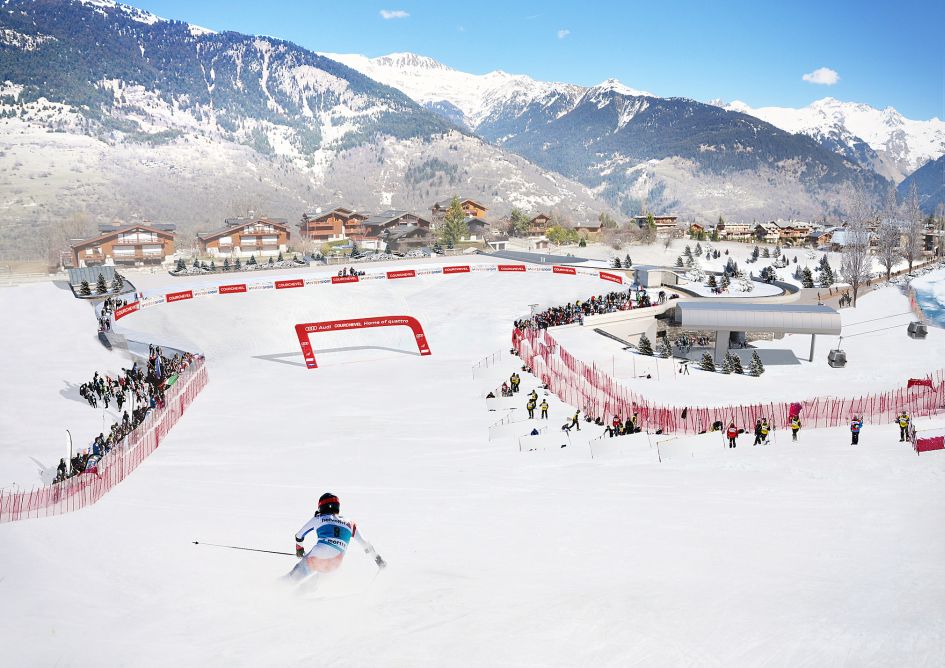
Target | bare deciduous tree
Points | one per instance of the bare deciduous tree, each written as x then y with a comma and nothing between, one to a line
914,232
888,242
855,261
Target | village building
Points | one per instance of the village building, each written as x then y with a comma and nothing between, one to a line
332,224
587,227
477,229
375,226
538,225
245,237
793,232
664,224
126,244
405,238
822,237
471,208
734,231
769,233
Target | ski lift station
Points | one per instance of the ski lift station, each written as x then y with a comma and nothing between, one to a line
726,318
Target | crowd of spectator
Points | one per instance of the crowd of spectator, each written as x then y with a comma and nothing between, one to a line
143,386
596,305
350,271
109,306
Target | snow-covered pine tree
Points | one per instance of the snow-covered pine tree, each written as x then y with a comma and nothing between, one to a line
766,252
726,281
679,262
85,289
736,364
626,261
101,287
118,283
807,278
687,252
180,265
712,282
226,264
777,251
271,262
616,263
698,251
279,259
756,368
755,253
239,264
252,261
707,364
644,347
664,349
213,265
727,364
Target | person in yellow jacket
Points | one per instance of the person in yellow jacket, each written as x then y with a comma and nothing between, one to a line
533,396
530,406
903,426
795,426
544,409
764,432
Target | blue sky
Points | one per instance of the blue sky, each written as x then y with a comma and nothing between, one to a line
881,53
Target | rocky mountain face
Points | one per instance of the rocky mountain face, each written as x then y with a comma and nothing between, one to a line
880,139
930,185
108,111
635,149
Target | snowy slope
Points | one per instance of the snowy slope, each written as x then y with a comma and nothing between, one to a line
803,555
905,144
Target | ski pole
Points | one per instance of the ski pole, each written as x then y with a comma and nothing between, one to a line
248,549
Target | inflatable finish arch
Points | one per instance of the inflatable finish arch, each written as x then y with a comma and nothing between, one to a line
303,330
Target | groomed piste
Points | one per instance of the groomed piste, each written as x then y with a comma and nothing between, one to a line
812,553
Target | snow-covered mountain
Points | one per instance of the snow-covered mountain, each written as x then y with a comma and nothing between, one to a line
633,148
882,139
469,99
111,111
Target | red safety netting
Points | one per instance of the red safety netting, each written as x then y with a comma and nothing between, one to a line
86,488
598,395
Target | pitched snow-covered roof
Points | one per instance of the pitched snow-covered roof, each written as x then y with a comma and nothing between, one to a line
778,318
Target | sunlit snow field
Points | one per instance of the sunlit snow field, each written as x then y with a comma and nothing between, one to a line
811,554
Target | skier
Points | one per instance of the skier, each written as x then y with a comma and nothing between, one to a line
575,421
732,434
333,534
855,425
795,426
757,432
764,431
530,407
903,426
544,409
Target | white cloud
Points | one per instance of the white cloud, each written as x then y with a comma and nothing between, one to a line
388,14
822,75
564,32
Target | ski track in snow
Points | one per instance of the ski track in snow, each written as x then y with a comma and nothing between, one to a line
786,555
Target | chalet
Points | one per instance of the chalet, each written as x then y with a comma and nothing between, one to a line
793,232
768,232
332,224
246,236
471,208
117,243
734,231
697,230
587,227
403,238
538,225
822,237
375,226
478,228
664,224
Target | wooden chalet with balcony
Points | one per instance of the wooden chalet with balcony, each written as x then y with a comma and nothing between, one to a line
735,231
243,237
118,243
664,224
332,225
471,208
538,225
376,225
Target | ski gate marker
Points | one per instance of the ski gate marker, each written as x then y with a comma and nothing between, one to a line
303,330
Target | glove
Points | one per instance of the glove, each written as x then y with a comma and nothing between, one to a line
379,561
299,551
